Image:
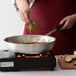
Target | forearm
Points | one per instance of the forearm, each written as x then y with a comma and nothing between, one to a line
21,4
74,17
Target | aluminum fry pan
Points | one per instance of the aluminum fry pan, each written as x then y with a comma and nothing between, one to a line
45,43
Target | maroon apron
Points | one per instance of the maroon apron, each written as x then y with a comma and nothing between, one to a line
47,14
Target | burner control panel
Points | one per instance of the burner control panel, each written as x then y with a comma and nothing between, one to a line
9,62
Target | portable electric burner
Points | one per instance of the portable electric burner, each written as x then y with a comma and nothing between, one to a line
10,61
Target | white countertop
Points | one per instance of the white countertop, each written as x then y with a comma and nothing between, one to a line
57,72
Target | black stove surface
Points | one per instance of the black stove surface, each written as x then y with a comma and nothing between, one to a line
21,64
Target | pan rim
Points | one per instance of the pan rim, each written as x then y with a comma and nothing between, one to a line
5,39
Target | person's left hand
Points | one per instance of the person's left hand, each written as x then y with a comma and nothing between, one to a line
69,21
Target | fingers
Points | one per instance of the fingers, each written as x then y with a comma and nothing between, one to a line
74,64
22,17
63,20
25,17
60,57
68,22
65,25
65,65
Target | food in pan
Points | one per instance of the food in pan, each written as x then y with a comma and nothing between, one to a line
30,42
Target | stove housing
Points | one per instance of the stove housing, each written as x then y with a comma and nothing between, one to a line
42,61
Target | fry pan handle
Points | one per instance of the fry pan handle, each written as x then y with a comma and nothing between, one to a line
55,29
60,26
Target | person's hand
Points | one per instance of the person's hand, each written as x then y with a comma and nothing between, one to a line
24,10
69,21
63,64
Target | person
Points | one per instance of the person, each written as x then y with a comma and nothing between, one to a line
48,14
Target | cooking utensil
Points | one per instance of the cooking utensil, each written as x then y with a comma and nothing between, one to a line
55,29
30,48
48,44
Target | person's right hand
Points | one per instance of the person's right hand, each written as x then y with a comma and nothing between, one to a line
24,10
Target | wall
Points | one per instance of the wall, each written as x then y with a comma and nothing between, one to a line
10,22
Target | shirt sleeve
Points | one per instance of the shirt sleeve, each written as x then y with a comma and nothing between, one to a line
31,2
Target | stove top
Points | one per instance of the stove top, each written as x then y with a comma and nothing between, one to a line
39,55
20,61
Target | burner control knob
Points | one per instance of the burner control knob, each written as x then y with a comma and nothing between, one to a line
6,54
